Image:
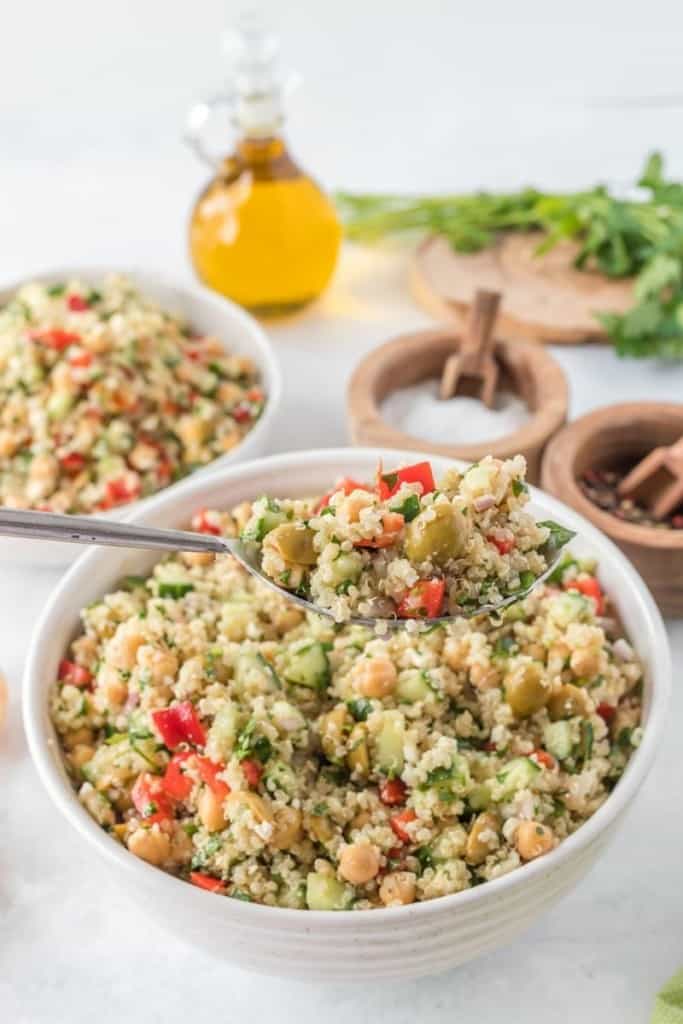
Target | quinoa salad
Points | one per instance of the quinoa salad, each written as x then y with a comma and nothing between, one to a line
264,754
105,397
403,548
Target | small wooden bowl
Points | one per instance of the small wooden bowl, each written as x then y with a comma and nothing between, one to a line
526,369
600,440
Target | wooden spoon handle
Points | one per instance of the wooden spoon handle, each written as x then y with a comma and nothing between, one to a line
478,339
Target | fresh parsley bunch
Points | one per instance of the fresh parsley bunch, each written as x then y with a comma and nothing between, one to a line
640,237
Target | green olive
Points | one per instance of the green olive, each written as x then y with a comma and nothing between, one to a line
525,690
294,543
567,702
437,535
483,838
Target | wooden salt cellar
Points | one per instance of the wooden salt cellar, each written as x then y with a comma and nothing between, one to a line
527,370
601,440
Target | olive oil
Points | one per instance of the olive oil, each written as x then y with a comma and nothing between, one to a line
261,232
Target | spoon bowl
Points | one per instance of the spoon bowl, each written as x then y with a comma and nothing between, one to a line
50,526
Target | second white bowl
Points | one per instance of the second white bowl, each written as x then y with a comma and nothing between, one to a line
209,314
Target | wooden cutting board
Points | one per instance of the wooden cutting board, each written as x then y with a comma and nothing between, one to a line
544,297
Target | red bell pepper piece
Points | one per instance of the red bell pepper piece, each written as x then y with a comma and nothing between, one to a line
419,473
242,413
206,882
54,337
505,545
347,485
399,821
149,798
72,463
177,784
589,587
71,672
392,792
423,601
255,395
606,712
253,770
202,524
179,724
76,303
208,770
544,758
392,524
80,358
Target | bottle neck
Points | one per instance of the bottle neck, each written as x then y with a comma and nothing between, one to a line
261,150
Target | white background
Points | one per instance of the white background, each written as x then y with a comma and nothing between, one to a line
396,95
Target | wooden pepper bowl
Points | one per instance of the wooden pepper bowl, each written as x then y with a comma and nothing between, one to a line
526,369
600,440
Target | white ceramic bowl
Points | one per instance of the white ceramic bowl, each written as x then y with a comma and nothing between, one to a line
392,943
208,313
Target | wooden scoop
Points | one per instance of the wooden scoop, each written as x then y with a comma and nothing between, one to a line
657,481
473,370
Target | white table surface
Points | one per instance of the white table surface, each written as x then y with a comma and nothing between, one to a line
91,169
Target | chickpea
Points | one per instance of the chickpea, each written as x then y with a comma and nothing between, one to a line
455,653
359,863
143,456
533,840
210,811
333,727
287,829
230,441
245,799
10,440
123,647
351,508
484,677
195,558
192,431
585,662
150,844
81,754
229,393
567,702
558,654
397,888
160,664
375,677
96,340
360,820
112,687
525,689
287,618
358,758
320,827
483,838
78,737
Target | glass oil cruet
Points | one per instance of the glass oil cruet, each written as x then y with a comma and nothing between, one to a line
262,232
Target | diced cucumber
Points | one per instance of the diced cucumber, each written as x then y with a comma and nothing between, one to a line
346,568
308,666
267,515
325,892
252,672
557,737
568,607
223,732
412,686
389,743
449,781
517,774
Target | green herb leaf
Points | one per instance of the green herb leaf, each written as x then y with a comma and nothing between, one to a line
175,590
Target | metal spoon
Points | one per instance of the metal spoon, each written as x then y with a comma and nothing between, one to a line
106,532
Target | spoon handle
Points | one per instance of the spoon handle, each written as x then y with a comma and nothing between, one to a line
93,530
